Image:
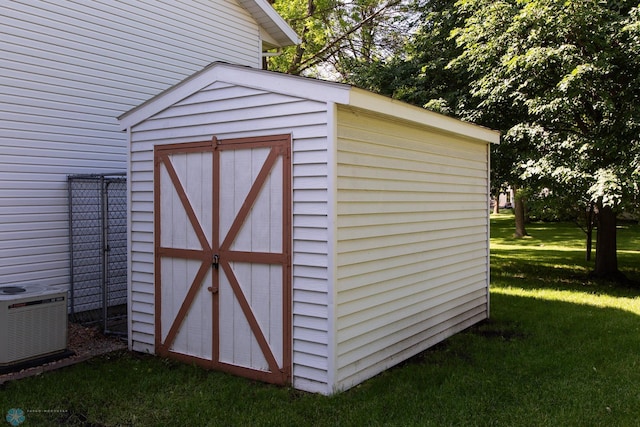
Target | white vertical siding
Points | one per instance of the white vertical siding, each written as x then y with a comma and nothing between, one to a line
231,111
411,244
67,70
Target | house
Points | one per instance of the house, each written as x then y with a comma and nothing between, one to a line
302,232
68,70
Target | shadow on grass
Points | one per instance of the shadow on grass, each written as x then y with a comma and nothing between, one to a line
540,272
554,258
564,234
536,362
555,352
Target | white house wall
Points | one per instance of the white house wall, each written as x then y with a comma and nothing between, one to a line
412,249
67,70
232,111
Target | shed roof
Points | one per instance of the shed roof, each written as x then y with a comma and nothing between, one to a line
307,88
271,22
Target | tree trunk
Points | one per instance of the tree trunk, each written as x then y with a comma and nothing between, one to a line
606,245
589,230
496,205
294,67
519,211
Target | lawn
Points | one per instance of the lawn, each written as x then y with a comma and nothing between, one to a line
559,350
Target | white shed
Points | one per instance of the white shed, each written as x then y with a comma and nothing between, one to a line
300,231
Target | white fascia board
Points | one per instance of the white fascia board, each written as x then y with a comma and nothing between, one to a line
390,107
267,17
284,84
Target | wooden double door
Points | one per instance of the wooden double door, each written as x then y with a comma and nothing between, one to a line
223,255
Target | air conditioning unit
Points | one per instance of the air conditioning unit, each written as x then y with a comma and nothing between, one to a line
33,323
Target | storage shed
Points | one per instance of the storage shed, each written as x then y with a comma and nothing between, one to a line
299,231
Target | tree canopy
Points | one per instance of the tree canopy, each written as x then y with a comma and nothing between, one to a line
339,35
559,78
564,73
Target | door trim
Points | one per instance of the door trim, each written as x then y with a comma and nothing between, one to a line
280,148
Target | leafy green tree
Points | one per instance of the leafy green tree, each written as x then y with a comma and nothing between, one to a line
567,71
311,20
417,71
560,78
338,35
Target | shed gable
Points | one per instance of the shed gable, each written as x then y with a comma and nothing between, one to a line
229,110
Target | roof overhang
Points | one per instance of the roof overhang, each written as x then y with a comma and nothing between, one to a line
278,32
391,107
309,88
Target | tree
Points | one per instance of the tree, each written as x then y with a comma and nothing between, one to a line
559,78
338,35
568,73
417,71
310,19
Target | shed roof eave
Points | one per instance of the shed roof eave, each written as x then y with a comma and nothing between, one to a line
363,99
317,90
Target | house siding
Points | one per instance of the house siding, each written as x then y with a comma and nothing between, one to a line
232,111
412,249
67,70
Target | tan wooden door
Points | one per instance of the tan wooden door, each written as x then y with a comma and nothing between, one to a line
223,255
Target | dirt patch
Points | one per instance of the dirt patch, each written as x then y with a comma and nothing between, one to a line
503,331
89,341
85,343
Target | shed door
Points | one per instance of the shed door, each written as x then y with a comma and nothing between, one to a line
222,248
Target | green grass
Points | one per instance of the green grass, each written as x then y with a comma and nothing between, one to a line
559,350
